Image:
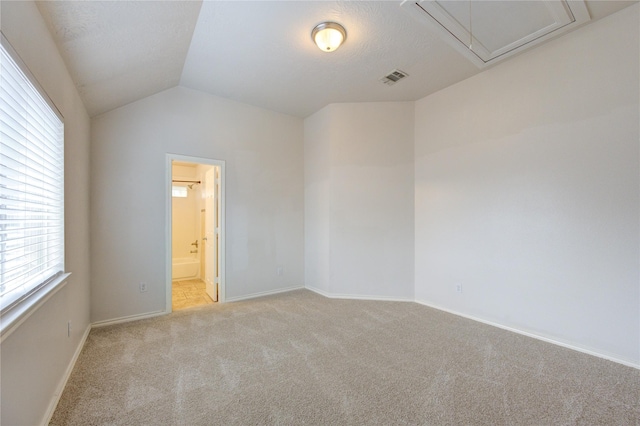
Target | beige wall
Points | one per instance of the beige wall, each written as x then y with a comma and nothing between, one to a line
527,191
317,200
359,200
264,196
36,356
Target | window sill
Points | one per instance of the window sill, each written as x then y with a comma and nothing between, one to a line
12,318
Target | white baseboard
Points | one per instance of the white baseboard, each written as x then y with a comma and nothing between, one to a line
261,294
358,296
535,336
127,319
63,383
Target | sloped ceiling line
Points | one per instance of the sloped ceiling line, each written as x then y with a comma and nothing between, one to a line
256,52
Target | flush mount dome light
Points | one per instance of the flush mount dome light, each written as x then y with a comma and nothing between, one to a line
329,36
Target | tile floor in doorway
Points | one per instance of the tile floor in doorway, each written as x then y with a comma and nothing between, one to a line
189,293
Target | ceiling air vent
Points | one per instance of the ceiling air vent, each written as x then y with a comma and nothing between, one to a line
486,32
393,77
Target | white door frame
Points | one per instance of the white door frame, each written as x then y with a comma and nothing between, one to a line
168,236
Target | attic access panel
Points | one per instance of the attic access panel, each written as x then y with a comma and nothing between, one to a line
488,31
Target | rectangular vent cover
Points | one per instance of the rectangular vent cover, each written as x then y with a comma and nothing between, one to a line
393,77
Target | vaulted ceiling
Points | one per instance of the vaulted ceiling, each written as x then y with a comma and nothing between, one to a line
256,52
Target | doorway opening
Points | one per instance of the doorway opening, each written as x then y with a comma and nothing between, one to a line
194,232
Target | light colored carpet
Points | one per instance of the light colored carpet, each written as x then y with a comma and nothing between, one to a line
299,358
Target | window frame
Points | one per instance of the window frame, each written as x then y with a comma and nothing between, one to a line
179,191
17,311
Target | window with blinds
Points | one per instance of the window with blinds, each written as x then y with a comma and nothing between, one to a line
178,191
31,184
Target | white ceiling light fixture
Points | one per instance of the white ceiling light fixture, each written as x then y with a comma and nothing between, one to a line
328,36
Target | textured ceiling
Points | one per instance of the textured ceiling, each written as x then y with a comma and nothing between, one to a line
261,53
121,51
256,52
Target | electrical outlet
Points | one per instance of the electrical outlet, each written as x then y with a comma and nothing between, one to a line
280,271
143,287
459,288
69,329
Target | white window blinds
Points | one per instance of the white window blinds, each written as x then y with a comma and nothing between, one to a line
31,185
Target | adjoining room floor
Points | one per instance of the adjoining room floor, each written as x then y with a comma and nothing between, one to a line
188,294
